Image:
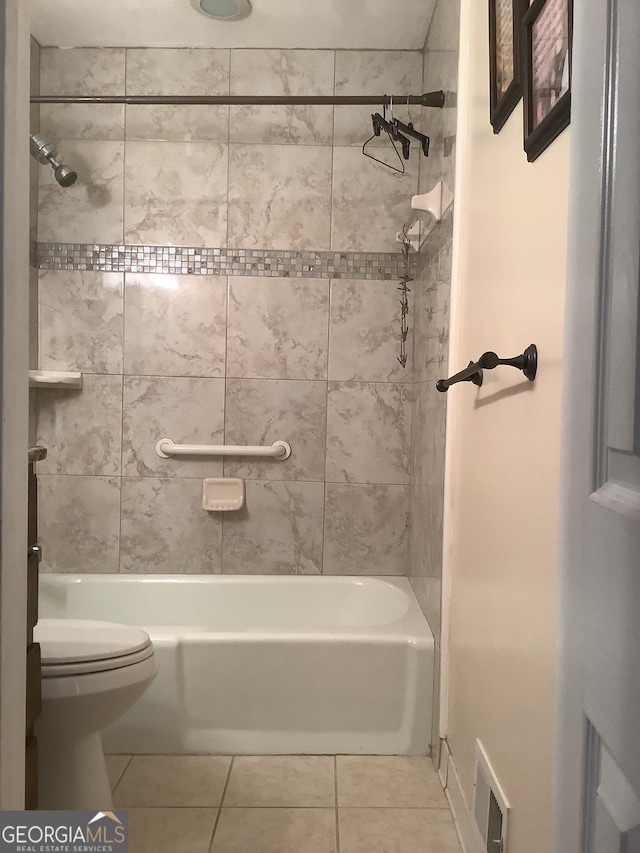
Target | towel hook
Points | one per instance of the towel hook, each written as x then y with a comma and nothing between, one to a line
527,362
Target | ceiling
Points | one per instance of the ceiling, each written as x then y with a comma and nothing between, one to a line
352,24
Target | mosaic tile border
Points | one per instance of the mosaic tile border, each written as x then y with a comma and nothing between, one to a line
183,260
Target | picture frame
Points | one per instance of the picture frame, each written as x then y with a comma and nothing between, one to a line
505,58
548,36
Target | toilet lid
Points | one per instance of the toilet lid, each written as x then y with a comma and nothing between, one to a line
68,641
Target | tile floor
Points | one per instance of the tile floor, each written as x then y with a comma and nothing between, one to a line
282,804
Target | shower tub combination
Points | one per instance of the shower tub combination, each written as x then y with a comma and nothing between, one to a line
266,665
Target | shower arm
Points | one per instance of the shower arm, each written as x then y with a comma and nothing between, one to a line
428,99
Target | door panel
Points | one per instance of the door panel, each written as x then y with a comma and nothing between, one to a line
612,569
597,783
613,806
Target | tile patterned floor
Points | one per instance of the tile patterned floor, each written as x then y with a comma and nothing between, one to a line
282,804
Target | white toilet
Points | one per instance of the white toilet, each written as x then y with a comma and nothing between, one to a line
92,672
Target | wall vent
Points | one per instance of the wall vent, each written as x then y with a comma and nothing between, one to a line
491,808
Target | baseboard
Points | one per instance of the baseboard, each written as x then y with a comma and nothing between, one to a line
468,833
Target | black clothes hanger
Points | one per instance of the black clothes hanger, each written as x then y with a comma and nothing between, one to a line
380,123
397,131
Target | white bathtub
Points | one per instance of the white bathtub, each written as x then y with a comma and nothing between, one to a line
260,665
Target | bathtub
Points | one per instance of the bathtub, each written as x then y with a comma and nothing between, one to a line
263,665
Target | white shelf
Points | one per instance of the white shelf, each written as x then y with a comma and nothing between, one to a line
54,379
436,203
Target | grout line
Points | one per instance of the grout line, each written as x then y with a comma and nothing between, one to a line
224,793
226,332
157,476
224,412
121,776
337,811
326,425
226,784
228,148
298,808
333,157
124,285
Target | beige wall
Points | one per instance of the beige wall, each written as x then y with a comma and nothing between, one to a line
505,453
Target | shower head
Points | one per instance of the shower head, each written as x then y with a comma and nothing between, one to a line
46,153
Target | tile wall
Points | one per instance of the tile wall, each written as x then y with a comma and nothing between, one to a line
431,337
213,358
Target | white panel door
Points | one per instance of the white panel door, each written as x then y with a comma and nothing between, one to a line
597,793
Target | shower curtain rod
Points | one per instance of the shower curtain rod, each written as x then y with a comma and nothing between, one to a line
428,99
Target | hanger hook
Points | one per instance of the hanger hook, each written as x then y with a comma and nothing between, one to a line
409,110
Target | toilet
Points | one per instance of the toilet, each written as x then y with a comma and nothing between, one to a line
92,672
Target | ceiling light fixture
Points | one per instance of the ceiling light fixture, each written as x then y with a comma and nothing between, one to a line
223,10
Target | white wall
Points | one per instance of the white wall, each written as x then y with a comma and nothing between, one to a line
504,452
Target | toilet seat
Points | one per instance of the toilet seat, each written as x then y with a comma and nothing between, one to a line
77,646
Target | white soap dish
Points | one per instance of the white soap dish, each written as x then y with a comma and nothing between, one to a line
223,494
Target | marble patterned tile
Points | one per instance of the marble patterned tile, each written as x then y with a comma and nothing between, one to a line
368,432
440,124
424,306
187,410
81,121
175,325
261,411
163,178
277,328
370,202
165,530
80,321
177,123
422,433
420,535
275,830
82,429
79,523
428,591
397,830
365,530
279,196
178,71
445,26
433,125
364,342
374,72
91,210
428,454
282,72
278,532
82,71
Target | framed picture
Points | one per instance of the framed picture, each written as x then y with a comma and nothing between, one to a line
505,58
548,27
